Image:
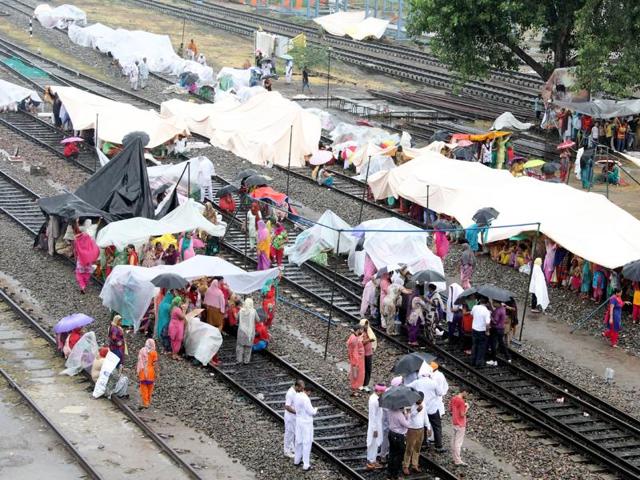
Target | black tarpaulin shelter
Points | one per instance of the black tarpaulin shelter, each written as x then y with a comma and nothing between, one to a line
121,187
69,207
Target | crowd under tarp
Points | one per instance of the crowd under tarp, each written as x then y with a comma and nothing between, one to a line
59,17
68,206
11,95
353,24
586,224
258,130
129,46
137,231
129,291
116,119
602,108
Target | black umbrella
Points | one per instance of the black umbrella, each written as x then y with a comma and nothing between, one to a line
225,190
487,290
631,271
399,397
382,271
439,136
245,173
549,168
463,153
130,137
189,77
485,216
427,276
255,180
169,280
411,362
269,75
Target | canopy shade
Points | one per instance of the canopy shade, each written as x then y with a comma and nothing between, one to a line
587,224
12,94
603,108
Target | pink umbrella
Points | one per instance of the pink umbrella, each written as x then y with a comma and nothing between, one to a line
321,157
71,139
464,143
566,144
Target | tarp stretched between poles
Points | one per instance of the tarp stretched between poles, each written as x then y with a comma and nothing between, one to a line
129,291
587,224
12,94
603,108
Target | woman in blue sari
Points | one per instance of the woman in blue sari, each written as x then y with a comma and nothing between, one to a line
585,286
472,233
164,313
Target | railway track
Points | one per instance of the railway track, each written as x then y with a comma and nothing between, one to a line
31,365
607,437
603,435
354,53
340,429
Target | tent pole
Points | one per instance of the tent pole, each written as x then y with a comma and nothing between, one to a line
246,240
333,290
364,190
328,72
428,214
526,295
184,21
95,163
289,162
189,180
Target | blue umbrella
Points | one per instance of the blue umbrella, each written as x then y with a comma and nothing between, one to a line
71,322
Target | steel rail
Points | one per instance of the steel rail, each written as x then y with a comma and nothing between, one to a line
67,444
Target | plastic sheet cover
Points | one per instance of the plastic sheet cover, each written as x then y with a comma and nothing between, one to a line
353,24
129,291
319,238
202,341
581,222
110,363
12,94
82,355
185,218
59,17
507,121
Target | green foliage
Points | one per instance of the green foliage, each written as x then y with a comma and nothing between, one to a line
608,47
600,37
312,56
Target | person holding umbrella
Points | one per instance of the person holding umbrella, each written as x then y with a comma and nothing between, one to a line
432,391
71,150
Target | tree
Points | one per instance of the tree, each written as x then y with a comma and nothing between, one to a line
609,62
310,56
474,37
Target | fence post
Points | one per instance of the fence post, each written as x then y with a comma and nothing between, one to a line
364,190
526,295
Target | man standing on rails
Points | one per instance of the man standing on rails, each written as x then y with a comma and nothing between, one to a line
432,391
290,418
374,430
304,427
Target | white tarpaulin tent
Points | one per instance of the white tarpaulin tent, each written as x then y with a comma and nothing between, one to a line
320,237
59,17
185,218
586,224
507,121
197,175
257,130
127,46
116,119
128,289
12,94
353,24
391,241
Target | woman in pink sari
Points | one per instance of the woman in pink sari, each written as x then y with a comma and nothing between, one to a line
86,252
355,349
549,258
369,269
442,243
176,326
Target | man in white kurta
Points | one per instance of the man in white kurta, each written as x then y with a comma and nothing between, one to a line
304,427
290,418
374,432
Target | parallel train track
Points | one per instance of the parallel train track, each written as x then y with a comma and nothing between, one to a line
608,437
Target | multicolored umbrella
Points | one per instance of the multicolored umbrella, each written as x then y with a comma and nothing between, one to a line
71,140
321,157
72,322
566,144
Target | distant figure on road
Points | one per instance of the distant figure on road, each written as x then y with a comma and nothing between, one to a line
134,76
192,50
143,69
305,79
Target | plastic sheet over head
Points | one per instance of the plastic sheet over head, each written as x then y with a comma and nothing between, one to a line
82,355
202,341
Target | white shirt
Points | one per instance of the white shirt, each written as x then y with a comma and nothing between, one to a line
288,402
419,419
431,392
441,381
594,132
144,70
304,410
481,318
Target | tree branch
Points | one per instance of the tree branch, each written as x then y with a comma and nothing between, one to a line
528,59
